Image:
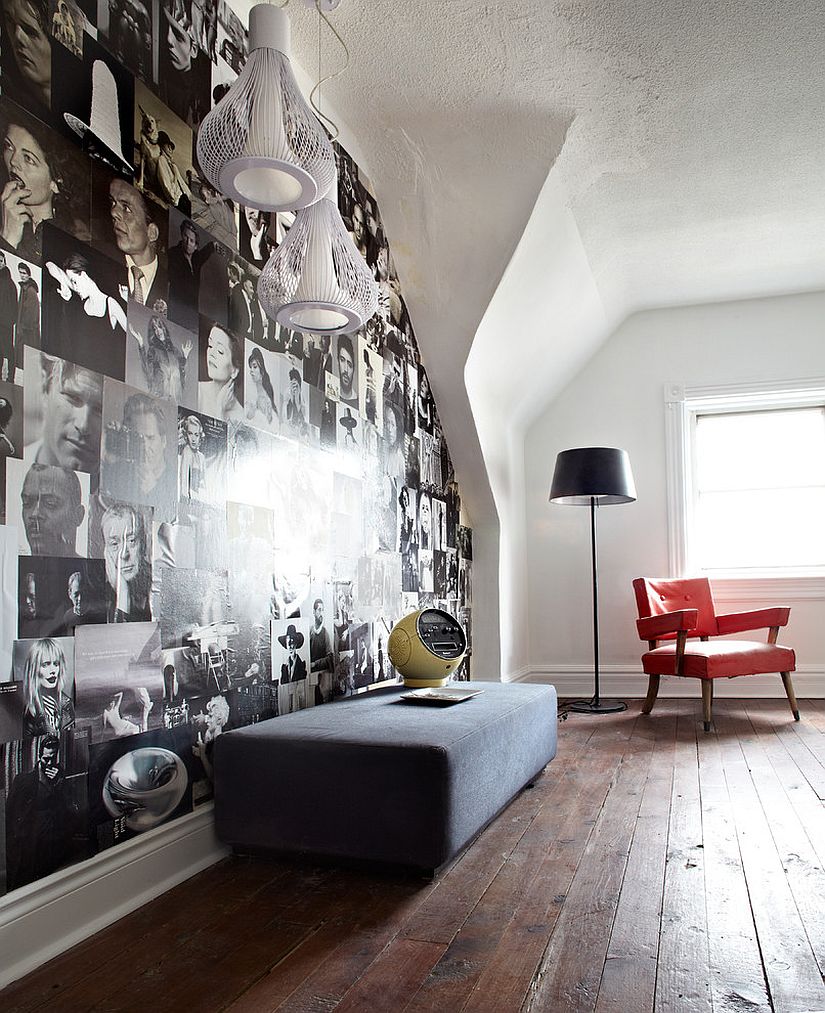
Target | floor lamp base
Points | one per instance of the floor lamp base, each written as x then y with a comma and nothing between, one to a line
602,707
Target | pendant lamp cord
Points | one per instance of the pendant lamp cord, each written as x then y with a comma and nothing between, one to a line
333,126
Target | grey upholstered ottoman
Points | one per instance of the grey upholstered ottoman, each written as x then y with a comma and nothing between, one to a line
377,779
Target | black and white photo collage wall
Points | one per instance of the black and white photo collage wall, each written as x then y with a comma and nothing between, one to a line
207,520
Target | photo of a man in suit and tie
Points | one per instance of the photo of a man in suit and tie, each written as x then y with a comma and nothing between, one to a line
137,236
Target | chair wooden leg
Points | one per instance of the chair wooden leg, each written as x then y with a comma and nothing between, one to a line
786,682
652,693
707,702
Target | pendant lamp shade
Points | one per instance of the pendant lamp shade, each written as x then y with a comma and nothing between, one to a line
317,280
262,145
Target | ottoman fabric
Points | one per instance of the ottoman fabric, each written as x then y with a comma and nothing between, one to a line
378,779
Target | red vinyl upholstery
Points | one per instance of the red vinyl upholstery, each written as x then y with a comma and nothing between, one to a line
721,659
683,610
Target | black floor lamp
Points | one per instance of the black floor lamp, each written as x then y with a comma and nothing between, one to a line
593,476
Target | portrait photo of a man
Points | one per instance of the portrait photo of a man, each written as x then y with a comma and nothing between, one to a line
49,507
138,457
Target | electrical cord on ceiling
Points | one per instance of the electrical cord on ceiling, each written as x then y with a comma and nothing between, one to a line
333,126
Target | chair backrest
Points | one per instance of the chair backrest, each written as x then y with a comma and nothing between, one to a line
657,595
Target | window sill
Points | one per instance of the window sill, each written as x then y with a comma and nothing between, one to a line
768,589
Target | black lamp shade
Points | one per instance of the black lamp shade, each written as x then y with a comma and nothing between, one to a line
600,473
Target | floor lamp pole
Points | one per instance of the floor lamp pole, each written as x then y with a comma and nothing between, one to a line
596,705
596,700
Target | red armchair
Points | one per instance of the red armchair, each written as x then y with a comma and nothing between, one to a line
676,610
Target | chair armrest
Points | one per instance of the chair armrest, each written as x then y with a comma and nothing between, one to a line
654,627
758,619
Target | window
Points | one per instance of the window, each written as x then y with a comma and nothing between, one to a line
746,485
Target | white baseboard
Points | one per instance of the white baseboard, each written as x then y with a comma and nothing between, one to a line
49,916
519,675
627,681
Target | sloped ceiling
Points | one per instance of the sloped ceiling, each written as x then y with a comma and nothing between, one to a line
682,141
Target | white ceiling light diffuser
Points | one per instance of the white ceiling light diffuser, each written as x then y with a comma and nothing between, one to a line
261,145
317,280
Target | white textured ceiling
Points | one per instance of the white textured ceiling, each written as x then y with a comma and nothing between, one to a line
684,142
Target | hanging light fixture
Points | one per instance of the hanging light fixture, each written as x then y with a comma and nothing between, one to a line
317,280
261,145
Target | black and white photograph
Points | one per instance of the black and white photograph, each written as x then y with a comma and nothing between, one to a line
395,378
465,582
11,420
63,411
43,178
125,532
201,458
409,568
118,680
49,506
195,609
198,282
392,446
94,105
213,212
464,541
439,510
131,227
294,403
249,459
163,158
256,236
321,657
55,596
184,70
412,453
211,715
221,373
44,670
424,402
328,425
26,54
363,661
451,565
84,305
23,313
246,316
204,15
371,386
290,650
345,361
407,521
195,541
138,783
46,813
344,616
161,357
233,44
12,704
263,372
349,431
139,451
425,521
69,22
125,26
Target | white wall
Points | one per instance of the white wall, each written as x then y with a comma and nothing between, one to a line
617,400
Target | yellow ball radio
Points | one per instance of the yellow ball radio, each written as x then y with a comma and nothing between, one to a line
426,647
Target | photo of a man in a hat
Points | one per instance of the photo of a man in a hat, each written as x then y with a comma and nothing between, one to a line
294,667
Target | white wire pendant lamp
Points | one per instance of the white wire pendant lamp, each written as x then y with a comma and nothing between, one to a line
261,145
317,280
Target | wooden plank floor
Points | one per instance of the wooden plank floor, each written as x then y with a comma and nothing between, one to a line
651,868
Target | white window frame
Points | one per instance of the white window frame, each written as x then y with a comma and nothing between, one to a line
682,406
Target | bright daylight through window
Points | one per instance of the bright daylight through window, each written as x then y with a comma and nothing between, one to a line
758,492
